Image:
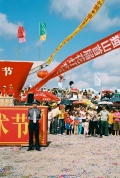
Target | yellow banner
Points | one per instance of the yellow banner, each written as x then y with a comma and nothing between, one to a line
87,19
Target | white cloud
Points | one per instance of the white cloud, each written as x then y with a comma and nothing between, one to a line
78,9
1,49
70,9
6,27
109,61
82,84
103,21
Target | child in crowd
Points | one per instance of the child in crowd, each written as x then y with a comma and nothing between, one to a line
86,127
76,122
72,116
80,125
68,122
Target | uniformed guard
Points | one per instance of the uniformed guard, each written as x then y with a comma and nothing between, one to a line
34,115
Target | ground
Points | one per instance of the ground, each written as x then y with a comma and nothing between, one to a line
66,157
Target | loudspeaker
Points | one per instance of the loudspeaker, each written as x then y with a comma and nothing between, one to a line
30,97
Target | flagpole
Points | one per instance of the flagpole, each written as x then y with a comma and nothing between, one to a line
39,43
17,50
39,51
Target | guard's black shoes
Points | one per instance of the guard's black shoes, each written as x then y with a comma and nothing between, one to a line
29,149
38,149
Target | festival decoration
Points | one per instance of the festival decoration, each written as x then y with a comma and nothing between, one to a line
42,73
93,51
42,31
87,19
21,34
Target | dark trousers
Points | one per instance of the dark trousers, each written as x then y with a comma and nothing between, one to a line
96,126
91,128
54,125
104,124
110,128
33,129
68,131
61,126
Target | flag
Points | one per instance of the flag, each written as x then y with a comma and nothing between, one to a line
97,79
21,34
42,31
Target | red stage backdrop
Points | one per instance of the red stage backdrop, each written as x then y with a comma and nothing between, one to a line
15,73
85,55
14,125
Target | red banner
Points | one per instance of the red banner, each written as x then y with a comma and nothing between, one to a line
85,55
15,73
21,32
14,126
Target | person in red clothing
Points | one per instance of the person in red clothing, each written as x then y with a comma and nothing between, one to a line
10,91
68,122
4,91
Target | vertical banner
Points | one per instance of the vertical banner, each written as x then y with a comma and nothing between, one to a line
21,34
14,125
42,31
97,79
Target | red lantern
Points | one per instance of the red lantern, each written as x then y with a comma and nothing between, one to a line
42,74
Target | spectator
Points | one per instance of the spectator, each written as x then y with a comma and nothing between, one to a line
104,120
54,118
116,121
110,122
86,127
61,113
4,91
10,92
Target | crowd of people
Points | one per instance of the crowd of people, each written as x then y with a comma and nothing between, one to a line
83,120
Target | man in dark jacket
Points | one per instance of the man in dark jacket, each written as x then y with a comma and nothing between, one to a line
34,114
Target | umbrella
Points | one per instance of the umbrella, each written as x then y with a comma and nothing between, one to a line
42,96
77,102
86,101
74,90
73,99
115,99
95,101
66,102
108,91
105,102
45,96
105,99
117,94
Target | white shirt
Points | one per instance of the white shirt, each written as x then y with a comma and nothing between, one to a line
34,116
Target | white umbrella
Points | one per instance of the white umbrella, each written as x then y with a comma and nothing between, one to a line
73,99
105,102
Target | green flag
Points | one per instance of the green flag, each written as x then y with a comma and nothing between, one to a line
42,31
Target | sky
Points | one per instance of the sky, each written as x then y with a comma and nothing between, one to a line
62,18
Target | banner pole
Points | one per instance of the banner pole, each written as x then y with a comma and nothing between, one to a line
17,51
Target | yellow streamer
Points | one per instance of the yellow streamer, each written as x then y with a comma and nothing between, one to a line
87,19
